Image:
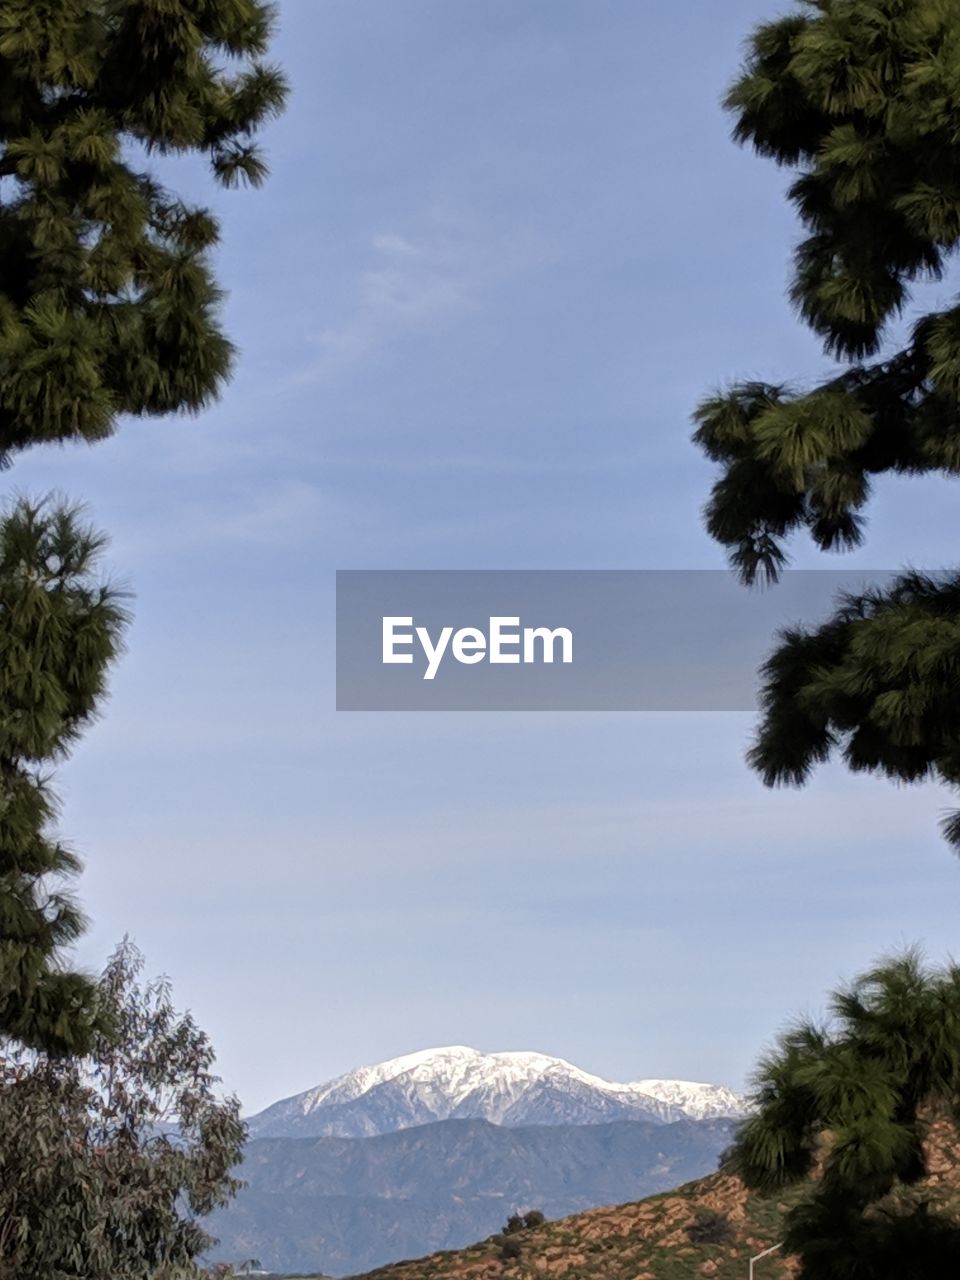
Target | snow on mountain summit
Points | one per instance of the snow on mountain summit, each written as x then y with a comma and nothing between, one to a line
697,1101
508,1088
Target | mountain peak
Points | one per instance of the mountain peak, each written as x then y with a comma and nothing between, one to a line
510,1087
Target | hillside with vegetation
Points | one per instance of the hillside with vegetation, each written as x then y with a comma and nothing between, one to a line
709,1228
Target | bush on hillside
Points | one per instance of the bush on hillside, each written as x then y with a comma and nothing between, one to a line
511,1249
710,1227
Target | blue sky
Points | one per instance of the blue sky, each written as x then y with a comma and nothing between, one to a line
505,248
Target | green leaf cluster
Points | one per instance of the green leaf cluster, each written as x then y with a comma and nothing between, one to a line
877,684
62,626
108,303
863,98
854,1102
108,306
107,1162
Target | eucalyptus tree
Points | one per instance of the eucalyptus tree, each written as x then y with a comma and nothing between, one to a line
109,1162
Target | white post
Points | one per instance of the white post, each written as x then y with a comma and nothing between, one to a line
773,1249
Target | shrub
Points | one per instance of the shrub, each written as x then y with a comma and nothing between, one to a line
710,1227
511,1249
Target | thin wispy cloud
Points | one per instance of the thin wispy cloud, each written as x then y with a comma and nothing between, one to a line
414,282
409,287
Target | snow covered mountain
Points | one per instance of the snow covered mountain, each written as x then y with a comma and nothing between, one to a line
510,1089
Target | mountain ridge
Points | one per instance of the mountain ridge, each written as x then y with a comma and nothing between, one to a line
510,1088
342,1205
655,1238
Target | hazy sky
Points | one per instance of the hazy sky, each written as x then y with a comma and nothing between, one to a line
506,246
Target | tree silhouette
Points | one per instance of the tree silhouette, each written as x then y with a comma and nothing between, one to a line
850,1106
863,97
108,306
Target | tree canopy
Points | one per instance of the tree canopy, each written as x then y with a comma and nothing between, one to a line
109,1162
108,304
62,628
855,1102
862,98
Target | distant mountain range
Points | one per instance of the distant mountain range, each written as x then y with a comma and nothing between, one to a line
646,1240
457,1083
651,1240
435,1149
344,1205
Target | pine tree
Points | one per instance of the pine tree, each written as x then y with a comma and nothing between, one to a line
862,97
854,1103
108,307
62,628
108,304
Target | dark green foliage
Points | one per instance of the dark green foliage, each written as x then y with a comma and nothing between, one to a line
839,1243
860,1095
511,1249
520,1222
108,1163
107,300
863,97
878,683
61,629
710,1227
518,1225
108,306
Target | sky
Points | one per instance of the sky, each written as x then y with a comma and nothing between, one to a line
505,248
